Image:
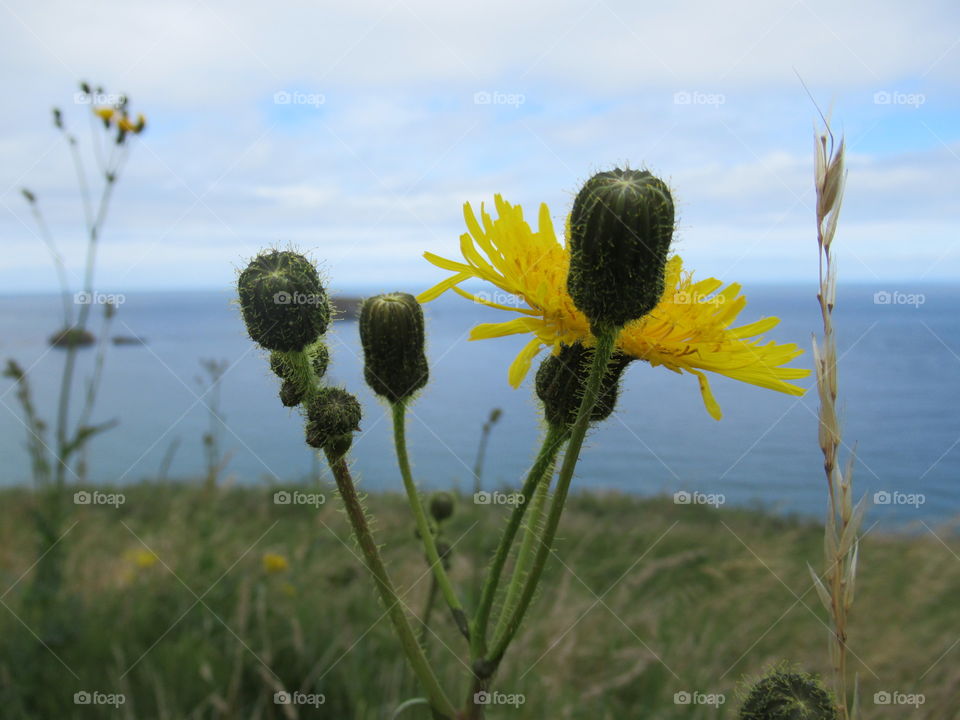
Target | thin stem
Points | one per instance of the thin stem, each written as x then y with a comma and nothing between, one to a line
427,612
481,454
527,548
552,442
606,340
358,520
423,526
58,264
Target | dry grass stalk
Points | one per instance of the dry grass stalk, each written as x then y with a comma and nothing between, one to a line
841,535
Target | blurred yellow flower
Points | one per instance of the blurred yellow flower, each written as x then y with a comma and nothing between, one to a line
137,127
689,330
104,113
142,558
274,563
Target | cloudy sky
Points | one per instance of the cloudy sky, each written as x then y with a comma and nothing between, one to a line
358,130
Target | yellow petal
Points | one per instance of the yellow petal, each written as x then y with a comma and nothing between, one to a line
440,288
709,401
521,364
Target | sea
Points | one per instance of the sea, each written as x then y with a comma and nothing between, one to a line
899,366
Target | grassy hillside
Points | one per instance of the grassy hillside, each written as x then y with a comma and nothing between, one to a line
169,600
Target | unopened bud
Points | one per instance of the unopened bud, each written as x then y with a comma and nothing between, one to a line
284,305
290,393
561,380
621,226
789,694
391,331
333,415
441,506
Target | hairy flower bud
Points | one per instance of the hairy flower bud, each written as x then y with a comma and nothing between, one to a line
561,380
291,393
441,505
319,358
621,226
391,331
284,305
785,694
333,415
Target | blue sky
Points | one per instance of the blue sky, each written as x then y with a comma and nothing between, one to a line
397,113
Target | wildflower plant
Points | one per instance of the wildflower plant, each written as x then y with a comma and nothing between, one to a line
611,295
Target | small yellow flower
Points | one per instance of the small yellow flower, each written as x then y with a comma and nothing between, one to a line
274,563
127,125
104,113
689,330
142,558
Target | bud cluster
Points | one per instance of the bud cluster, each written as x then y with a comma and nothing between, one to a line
562,378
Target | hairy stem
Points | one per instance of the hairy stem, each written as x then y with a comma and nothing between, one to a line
438,700
423,526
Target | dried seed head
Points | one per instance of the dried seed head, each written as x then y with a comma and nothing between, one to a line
561,380
391,331
284,305
621,226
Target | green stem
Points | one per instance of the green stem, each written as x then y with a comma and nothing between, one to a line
423,527
606,341
548,451
358,520
527,547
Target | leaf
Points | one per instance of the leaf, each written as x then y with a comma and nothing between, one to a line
821,590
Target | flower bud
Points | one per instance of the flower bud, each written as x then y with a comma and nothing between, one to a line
319,358
291,393
278,365
391,331
284,305
441,506
621,226
561,380
787,694
333,415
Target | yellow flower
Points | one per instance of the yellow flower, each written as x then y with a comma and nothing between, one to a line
104,113
274,563
689,330
142,558
127,125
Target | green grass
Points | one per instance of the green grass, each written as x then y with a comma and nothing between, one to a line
644,599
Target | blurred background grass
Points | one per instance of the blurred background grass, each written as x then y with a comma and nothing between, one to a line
168,599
